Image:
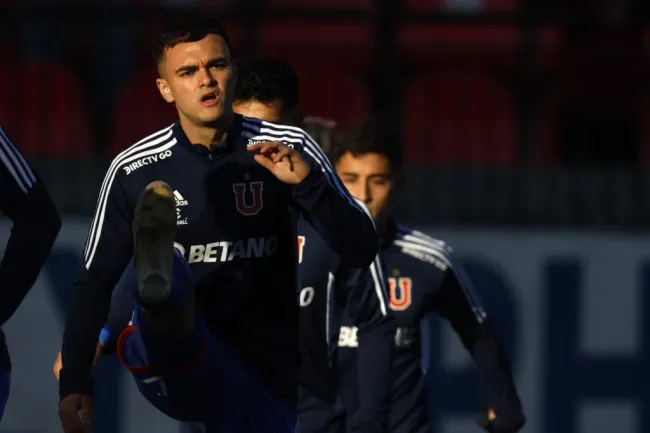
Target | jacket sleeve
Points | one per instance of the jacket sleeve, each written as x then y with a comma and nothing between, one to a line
457,302
36,224
368,307
109,248
342,221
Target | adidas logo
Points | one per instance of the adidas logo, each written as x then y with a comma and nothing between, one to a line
180,201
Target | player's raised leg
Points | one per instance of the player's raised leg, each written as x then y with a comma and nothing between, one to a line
165,345
179,365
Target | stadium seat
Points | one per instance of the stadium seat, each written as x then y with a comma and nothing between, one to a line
460,45
43,108
139,111
332,64
586,76
459,117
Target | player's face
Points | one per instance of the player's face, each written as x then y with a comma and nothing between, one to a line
199,78
368,178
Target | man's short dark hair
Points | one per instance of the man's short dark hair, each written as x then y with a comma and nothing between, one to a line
186,30
363,138
267,80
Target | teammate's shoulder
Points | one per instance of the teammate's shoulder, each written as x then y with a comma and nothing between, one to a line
151,149
6,144
257,130
424,247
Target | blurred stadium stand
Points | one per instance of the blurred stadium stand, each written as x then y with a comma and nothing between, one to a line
525,127
526,113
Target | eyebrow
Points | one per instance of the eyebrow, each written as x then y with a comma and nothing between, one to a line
193,66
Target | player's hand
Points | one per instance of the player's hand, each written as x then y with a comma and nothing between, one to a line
58,364
502,423
71,420
284,162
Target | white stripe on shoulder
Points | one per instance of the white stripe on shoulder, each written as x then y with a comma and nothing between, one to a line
417,236
262,130
417,241
13,160
151,145
263,125
407,239
380,284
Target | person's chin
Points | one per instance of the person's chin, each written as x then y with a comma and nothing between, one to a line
210,118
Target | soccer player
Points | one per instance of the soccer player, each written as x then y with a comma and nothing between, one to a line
424,276
36,224
268,88
204,213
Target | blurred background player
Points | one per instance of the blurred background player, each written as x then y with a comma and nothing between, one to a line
424,276
232,254
268,89
36,224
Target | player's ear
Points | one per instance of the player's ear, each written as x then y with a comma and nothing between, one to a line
165,90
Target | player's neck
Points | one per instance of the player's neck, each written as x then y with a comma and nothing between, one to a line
208,135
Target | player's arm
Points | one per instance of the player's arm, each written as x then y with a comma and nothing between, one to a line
109,248
36,224
457,302
368,306
119,316
341,220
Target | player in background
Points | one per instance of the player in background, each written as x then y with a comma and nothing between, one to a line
268,88
205,213
36,224
424,276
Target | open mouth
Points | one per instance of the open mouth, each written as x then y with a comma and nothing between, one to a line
210,99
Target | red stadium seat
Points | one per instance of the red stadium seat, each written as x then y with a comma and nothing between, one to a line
459,117
44,110
332,63
139,111
594,74
460,45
